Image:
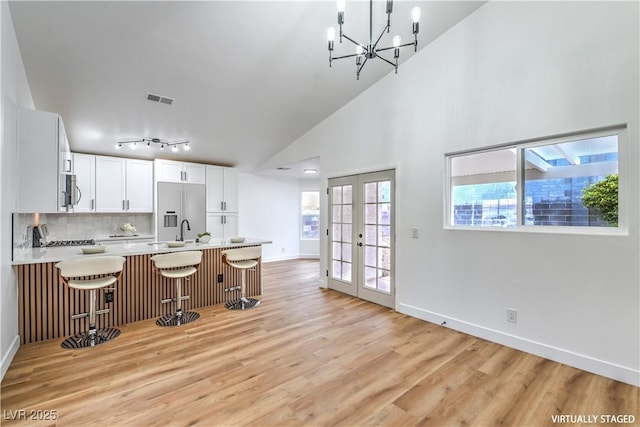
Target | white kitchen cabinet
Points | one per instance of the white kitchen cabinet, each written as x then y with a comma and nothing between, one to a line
222,189
110,184
84,168
172,171
43,159
222,225
123,185
139,185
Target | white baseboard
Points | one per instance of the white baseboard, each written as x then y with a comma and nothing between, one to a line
281,258
580,361
8,357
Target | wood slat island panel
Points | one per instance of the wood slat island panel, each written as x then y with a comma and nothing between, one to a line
46,304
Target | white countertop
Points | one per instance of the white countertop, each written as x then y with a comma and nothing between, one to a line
54,254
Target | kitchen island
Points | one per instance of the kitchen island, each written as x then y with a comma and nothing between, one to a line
46,305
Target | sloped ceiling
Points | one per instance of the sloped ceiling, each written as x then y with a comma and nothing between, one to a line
248,78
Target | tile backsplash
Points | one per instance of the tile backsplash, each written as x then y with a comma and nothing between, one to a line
66,226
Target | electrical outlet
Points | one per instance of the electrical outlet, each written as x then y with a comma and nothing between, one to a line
512,315
108,297
220,278
414,233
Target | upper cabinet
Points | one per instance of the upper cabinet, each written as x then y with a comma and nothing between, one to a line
84,168
113,184
222,189
172,171
43,159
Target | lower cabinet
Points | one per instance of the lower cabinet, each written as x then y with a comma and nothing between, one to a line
222,225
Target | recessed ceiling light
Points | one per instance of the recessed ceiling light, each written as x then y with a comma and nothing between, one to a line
310,171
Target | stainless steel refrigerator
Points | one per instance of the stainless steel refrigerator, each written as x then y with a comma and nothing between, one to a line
177,202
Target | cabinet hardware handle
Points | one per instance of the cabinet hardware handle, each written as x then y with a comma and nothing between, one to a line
127,204
225,205
221,219
93,204
221,206
123,206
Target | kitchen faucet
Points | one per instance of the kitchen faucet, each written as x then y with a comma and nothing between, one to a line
182,229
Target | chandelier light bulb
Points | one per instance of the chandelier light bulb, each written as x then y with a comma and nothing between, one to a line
134,146
396,41
162,147
118,145
174,148
186,147
415,14
331,34
341,4
359,50
148,144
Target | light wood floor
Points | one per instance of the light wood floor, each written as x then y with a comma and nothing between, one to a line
305,356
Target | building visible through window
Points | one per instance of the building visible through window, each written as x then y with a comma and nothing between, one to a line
553,176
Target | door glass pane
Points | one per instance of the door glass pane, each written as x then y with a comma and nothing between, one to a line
370,256
346,252
337,214
370,192
370,275
336,269
346,214
384,213
337,253
384,280
384,235
346,233
336,232
370,214
346,195
337,195
346,271
384,258
370,235
384,191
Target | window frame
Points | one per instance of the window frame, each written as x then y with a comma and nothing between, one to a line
301,213
520,227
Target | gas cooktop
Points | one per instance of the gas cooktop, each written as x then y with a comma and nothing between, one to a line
83,242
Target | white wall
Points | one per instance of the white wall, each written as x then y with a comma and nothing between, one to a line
270,209
15,92
509,72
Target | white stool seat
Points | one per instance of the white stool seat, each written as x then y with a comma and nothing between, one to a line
177,266
81,274
89,284
178,274
249,263
242,259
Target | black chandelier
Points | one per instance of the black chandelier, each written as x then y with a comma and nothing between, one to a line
372,50
155,142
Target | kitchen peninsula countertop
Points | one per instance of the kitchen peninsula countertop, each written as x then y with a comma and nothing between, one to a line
53,254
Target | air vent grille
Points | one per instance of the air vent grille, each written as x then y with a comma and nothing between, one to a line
158,98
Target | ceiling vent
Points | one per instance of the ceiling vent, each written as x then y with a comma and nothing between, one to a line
158,98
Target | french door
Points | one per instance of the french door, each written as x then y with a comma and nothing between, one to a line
362,236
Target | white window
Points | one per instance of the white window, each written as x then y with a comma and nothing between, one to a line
310,215
563,182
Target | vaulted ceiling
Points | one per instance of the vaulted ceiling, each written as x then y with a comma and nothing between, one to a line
247,78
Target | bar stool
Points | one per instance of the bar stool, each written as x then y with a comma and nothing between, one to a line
178,266
243,259
91,274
